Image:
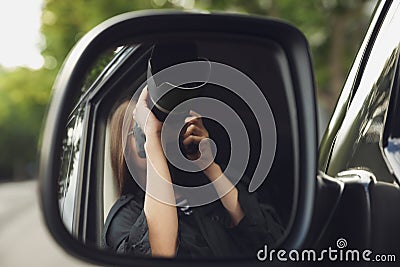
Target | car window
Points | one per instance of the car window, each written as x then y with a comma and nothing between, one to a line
361,132
69,168
392,152
101,69
70,180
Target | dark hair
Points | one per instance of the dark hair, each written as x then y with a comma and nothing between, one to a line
119,167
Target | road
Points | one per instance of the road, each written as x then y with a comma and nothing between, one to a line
24,240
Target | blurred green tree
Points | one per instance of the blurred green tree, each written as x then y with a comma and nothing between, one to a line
24,95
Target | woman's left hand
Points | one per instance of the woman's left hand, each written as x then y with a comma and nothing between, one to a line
196,141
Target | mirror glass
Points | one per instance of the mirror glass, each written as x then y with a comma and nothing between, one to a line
182,147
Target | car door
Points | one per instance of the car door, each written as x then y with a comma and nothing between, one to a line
366,213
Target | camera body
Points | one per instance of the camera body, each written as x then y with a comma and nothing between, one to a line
164,95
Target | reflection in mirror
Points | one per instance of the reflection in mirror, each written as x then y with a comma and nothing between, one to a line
183,149
70,179
69,168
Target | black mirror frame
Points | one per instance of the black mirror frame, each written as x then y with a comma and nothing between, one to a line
122,28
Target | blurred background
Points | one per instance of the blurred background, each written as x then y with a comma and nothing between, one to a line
36,36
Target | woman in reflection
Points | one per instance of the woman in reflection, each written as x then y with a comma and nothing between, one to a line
236,225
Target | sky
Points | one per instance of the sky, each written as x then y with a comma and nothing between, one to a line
20,38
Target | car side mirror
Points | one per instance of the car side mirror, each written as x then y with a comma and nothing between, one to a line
257,104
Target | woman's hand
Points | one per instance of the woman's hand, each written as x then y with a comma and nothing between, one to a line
196,134
144,117
196,142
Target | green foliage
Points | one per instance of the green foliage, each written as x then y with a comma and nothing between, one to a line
24,95
321,21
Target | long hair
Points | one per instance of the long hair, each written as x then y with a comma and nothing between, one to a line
119,167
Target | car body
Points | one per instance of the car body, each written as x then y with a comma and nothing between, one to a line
361,136
358,145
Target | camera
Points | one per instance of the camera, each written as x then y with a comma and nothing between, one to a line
165,91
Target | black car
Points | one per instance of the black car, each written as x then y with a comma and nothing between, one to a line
337,208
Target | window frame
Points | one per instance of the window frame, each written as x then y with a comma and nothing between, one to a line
351,85
99,104
81,206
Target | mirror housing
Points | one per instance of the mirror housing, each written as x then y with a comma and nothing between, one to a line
140,26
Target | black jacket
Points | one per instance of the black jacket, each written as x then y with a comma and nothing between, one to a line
202,231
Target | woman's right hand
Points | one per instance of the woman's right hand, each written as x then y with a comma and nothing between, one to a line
144,117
